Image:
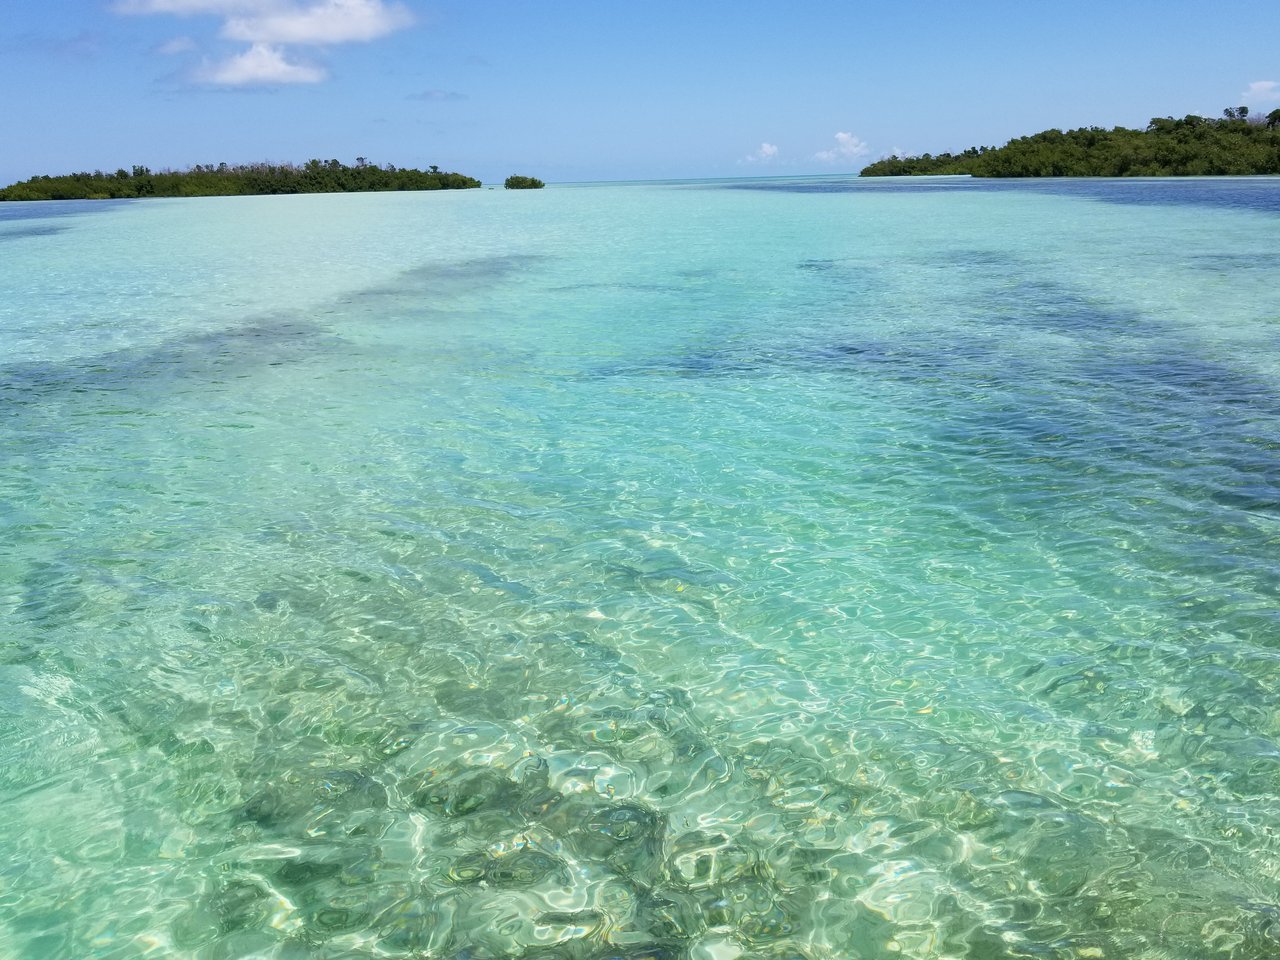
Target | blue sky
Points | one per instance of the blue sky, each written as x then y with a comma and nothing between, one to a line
573,90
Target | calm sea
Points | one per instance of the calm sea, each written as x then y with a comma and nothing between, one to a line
790,569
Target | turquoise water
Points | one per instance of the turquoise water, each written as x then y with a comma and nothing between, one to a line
763,569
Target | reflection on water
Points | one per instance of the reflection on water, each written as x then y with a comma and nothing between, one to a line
899,596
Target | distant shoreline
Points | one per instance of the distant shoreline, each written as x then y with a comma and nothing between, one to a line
224,180
1235,145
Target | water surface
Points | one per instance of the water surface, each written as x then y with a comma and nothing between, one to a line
785,569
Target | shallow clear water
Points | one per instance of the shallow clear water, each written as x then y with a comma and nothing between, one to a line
783,569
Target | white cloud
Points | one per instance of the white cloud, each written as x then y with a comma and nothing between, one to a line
847,148
260,65
331,21
272,27
1262,91
767,152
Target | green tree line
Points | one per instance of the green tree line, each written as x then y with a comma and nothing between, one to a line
221,180
1235,144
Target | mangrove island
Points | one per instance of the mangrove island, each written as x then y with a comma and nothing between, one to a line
1237,144
223,180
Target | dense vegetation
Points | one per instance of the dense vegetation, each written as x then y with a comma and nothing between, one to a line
209,180
514,182
1236,144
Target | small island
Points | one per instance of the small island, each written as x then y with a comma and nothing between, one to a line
514,182
223,180
1237,144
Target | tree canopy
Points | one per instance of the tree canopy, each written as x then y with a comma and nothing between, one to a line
1235,144
219,180
515,182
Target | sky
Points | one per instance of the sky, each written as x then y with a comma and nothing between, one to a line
570,90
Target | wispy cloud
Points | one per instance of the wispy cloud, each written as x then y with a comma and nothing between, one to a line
438,96
272,27
1262,91
85,45
176,46
847,148
187,7
765,154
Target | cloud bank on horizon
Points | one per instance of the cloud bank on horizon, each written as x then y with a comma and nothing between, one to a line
273,29
1262,92
848,149
767,152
